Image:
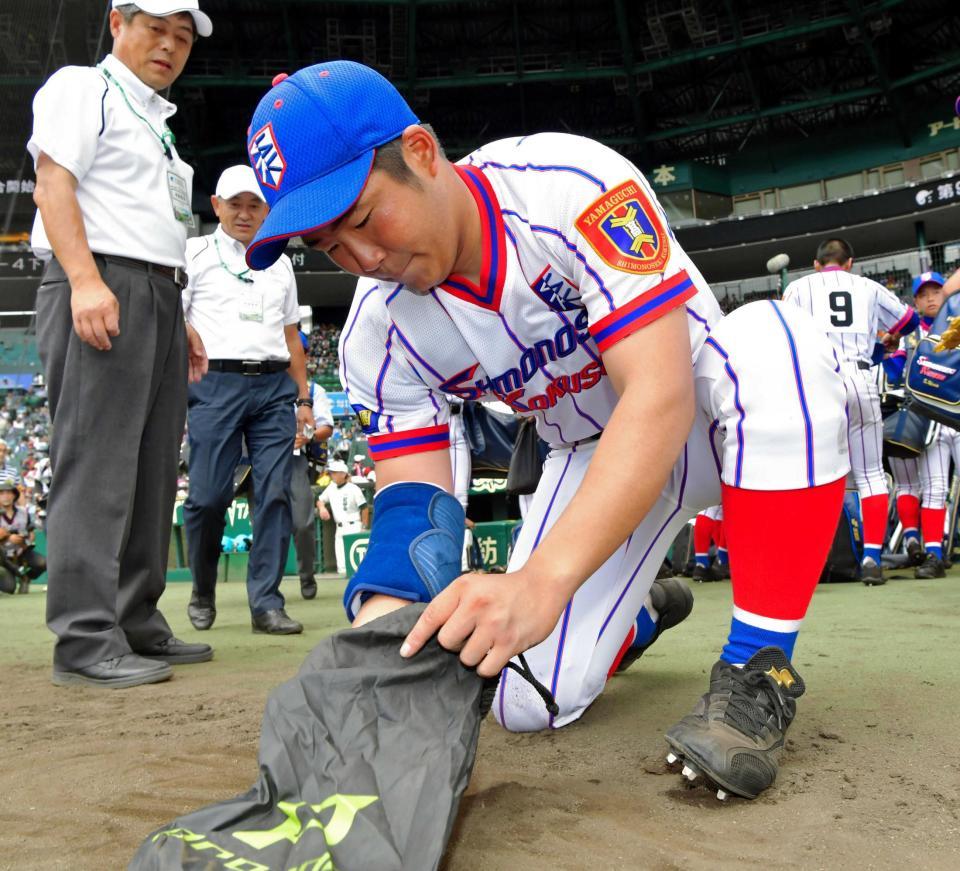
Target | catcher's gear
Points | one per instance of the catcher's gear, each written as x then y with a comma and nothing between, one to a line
415,546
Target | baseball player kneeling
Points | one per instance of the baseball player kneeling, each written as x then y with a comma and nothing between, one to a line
541,271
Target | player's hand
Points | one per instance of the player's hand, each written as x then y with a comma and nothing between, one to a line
890,341
197,361
96,313
16,539
488,618
304,418
4,533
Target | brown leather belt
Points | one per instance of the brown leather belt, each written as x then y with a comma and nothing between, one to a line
174,273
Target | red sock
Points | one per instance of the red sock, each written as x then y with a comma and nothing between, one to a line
874,510
753,521
932,522
908,509
721,535
703,532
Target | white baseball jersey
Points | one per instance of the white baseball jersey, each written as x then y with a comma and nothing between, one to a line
577,255
851,309
345,502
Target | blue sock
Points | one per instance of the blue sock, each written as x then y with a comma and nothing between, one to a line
936,550
702,559
872,551
722,556
645,629
910,535
745,640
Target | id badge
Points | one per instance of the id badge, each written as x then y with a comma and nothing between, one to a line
180,199
251,305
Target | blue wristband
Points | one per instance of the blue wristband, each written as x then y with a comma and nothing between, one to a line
415,548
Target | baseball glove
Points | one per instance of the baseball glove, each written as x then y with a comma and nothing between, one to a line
950,337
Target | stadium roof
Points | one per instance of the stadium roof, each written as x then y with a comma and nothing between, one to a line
660,80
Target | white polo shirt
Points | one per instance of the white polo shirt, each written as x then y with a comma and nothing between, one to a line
105,127
322,408
240,313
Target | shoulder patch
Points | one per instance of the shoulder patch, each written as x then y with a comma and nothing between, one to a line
626,230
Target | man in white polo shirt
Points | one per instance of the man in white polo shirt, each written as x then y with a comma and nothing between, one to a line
114,203
257,377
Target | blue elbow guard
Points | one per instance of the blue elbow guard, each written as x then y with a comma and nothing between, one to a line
416,543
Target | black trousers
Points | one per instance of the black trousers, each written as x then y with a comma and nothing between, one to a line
117,420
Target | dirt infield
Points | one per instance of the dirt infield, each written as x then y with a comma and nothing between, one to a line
871,779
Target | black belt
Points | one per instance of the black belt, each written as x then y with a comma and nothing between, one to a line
862,365
177,275
249,367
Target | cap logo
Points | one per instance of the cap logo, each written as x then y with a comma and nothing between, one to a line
268,161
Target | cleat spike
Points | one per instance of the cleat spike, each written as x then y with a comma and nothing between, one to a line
721,795
671,758
689,773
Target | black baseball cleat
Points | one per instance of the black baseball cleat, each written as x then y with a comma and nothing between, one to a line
931,568
673,602
703,573
308,588
871,574
915,553
736,731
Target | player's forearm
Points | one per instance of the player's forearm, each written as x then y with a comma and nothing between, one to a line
56,198
630,466
298,366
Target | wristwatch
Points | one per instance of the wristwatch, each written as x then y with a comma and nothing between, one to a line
304,403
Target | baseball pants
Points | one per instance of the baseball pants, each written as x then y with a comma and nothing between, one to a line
771,416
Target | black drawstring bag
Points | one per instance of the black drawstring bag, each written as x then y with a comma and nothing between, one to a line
526,464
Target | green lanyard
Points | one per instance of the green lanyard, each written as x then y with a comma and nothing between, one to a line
242,276
166,138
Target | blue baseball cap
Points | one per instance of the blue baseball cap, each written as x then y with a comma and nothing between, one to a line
311,144
927,278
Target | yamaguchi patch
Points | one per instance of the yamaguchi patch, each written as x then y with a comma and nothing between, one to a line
626,230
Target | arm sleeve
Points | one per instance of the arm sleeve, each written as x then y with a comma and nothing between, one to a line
617,245
399,413
72,100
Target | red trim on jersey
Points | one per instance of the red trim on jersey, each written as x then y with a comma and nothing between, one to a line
645,309
900,324
411,441
493,245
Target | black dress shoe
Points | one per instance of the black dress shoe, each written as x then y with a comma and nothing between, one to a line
308,588
276,623
128,670
202,612
177,652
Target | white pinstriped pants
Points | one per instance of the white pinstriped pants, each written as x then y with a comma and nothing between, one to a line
865,431
771,416
935,467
